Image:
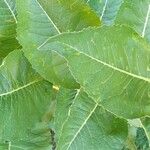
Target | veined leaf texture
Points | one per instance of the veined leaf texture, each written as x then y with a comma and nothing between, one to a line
74,75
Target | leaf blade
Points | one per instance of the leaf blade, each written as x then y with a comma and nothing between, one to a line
81,122
106,10
96,55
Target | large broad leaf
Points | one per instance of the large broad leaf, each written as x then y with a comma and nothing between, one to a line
25,100
8,22
106,9
32,16
109,67
136,13
87,126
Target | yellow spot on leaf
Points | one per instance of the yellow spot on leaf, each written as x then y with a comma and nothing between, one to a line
55,87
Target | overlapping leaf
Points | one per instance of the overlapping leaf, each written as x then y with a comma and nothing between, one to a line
65,99
106,9
137,139
25,99
87,125
136,14
137,136
72,15
109,67
32,16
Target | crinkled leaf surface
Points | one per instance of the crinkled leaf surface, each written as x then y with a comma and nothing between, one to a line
88,126
136,14
8,22
32,15
25,99
106,9
109,67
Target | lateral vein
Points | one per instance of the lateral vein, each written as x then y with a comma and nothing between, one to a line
11,10
108,65
104,8
146,21
48,17
19,88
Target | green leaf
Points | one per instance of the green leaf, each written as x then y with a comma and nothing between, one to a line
32,15
89,126
130,141
106,9
146,125
25,100
71,16
136,14
8,22
65,99
109,67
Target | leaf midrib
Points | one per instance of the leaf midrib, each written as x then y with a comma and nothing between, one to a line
83,124
104,9
68,115
48,17
108,65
